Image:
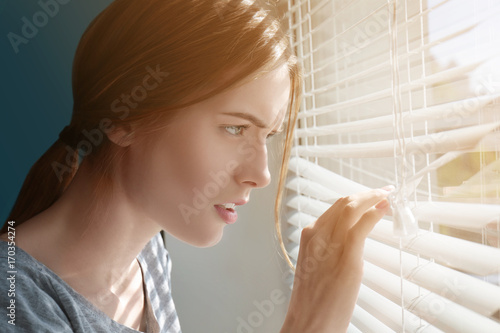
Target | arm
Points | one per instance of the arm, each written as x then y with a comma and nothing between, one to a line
330,264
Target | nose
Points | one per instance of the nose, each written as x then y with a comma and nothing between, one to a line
253,166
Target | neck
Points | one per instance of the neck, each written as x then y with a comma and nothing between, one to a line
91,244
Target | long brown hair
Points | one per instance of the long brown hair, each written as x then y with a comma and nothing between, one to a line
140,61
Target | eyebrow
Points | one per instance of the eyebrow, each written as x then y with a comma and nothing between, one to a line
254,120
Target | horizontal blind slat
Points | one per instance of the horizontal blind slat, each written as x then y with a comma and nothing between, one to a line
307,205
433,308
441,76
300,219
401,27
468,291
368,323
457,214
323,176
320,45
451,112
328,61
454,252
313,189
458,253
391,313
442,142
353,329
454,214
307,16
294,234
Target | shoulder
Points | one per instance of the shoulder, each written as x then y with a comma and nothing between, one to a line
40,301
31,301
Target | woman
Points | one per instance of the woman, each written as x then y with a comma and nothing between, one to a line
173,102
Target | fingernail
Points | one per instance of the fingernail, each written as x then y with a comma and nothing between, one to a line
382,204
388,188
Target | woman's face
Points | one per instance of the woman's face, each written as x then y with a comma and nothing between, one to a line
208,160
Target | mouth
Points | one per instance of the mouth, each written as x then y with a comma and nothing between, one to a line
228,206
227,211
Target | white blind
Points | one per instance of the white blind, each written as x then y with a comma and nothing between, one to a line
405,92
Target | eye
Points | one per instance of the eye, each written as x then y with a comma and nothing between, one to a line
276,132
270,135
235,130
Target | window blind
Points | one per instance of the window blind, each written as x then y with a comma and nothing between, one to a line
405,92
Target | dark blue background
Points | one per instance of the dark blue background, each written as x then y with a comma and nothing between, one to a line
35,90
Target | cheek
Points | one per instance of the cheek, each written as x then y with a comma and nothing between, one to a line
194,164
177,180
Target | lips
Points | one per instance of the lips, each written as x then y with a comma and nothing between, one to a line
227,210
228,215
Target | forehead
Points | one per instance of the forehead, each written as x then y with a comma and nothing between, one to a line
265,97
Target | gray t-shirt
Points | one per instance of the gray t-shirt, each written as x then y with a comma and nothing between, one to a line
40,301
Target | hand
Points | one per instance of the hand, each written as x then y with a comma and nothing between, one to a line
330,264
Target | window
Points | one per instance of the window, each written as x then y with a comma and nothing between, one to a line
405,93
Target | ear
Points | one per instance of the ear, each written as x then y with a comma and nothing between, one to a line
122,135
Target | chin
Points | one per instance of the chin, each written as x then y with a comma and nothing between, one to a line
210,242
205,243
207,239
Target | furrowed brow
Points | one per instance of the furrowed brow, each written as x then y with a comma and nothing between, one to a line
251,118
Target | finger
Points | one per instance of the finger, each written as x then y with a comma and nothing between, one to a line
355,240
356,206
368,221
328,219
